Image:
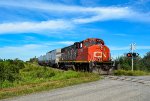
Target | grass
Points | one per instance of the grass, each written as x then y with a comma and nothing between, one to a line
35,78
130,73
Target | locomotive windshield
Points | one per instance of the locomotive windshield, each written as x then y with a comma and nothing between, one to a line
87,44
98,42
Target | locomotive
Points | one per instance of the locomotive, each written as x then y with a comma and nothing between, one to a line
90,55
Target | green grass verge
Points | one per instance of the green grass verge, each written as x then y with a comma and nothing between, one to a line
130,73
36,78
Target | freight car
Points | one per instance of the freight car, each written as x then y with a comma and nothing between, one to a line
88,55
51,58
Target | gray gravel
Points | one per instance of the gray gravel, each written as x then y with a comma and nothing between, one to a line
147,78
102,90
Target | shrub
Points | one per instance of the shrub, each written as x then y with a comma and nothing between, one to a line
9,70
130,73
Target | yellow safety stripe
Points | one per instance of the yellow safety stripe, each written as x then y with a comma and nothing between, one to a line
83,61
74,61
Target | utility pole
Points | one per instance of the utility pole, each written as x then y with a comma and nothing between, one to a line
132,49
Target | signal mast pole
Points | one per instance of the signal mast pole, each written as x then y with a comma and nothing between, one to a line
132,49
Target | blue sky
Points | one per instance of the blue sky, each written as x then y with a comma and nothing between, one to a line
30,28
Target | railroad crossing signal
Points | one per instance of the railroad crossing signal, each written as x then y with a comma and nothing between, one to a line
132,54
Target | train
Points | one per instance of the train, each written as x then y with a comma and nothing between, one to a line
91,55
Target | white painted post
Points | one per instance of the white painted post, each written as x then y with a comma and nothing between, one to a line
132,49
132,55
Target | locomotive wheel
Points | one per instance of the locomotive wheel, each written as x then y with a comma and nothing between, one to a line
108,69
74,68
99,70
87,68
62,66
90,67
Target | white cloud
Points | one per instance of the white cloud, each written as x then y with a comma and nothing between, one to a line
22,52
59,43
25,52
95,13
120,51
106,13
61,8
143,47
123,35
114,13
33,26
113,48
84,15
66,42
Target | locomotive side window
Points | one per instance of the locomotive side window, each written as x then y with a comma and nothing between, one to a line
77,45
80,45
86,44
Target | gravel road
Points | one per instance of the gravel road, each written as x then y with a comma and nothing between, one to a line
109,89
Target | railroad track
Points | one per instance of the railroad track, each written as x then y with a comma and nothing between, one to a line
129,78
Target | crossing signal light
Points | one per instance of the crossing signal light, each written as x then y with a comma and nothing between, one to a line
132,54
129,54
136,54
